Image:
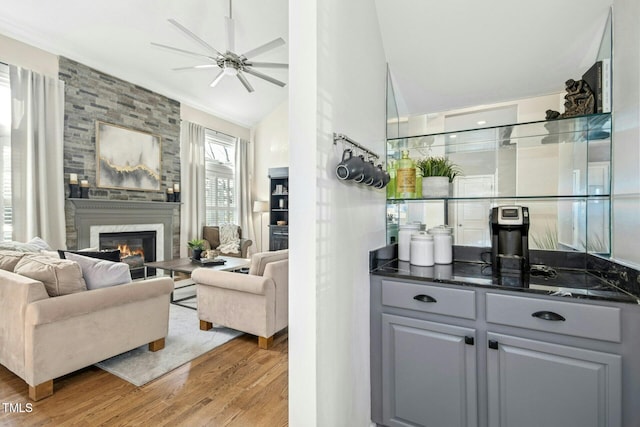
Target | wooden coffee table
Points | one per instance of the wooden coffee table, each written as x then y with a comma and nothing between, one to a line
187,265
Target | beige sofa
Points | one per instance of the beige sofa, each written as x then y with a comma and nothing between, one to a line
42,337
256,303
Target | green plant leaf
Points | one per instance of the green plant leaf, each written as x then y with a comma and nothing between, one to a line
438,166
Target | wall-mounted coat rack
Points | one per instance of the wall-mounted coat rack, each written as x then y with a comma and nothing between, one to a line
344,138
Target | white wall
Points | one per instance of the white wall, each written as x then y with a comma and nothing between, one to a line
270,139
26,56
529,110
337,84
626,132
212,122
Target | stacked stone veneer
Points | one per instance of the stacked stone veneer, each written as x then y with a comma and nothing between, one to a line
91,96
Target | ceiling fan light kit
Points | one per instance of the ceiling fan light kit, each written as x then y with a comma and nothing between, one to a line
230,63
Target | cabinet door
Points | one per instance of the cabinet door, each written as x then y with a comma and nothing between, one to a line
533,383
279,238
428,373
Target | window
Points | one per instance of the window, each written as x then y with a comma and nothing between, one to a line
219,178
6,228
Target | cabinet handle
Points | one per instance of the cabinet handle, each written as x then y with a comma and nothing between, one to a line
548,315
469,340
424,298
493,344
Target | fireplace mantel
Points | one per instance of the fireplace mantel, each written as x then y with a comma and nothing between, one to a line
91,212
122,204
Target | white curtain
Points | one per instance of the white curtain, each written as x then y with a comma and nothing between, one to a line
243,182
192,188
37,122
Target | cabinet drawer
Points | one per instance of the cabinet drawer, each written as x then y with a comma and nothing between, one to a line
580,320
430,299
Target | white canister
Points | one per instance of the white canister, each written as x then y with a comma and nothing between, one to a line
443,244
422,249
404,240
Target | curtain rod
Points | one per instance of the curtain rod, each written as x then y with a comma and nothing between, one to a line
218,132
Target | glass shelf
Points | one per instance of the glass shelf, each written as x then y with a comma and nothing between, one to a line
574,129
559,168
470,198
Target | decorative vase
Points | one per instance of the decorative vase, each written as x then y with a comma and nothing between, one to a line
435,186
197,254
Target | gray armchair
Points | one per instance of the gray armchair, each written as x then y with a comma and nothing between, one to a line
211,236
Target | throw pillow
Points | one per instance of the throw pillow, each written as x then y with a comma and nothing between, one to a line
9,259
109,255
59,276
229,239
41,244
100,273
11,245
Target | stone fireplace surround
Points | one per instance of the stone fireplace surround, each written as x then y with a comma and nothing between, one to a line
94,215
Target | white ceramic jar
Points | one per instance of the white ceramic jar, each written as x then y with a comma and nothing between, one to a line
422,249
404,240
443,244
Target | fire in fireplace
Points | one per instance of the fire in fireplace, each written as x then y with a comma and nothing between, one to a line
136,248
132,256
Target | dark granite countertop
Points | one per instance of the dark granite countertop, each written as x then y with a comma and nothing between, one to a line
556,280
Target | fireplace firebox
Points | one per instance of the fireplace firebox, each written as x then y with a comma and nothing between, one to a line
136,248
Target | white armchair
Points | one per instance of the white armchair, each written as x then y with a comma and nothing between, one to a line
255,303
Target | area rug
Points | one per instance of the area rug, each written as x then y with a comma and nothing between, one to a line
184,343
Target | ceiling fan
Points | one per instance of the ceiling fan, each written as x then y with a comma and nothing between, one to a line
230,63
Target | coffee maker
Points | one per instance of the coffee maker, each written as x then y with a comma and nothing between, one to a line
509,241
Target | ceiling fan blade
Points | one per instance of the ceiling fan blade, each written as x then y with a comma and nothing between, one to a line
217,79
228,23
200,55
245,82
194,37
265,77
264,48
266,65
195,67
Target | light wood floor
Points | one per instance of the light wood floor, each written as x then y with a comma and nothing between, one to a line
236,384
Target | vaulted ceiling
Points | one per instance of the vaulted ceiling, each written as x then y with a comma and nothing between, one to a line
442,54
452,54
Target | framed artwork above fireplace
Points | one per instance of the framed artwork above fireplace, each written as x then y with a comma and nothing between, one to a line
127,159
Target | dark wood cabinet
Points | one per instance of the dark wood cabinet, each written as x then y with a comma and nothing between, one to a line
279,208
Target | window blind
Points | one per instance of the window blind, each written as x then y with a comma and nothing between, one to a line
220,203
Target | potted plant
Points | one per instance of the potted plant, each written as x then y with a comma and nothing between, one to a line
196,246
437,174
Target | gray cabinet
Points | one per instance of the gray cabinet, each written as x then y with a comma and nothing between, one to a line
533,383
523,369
428,374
